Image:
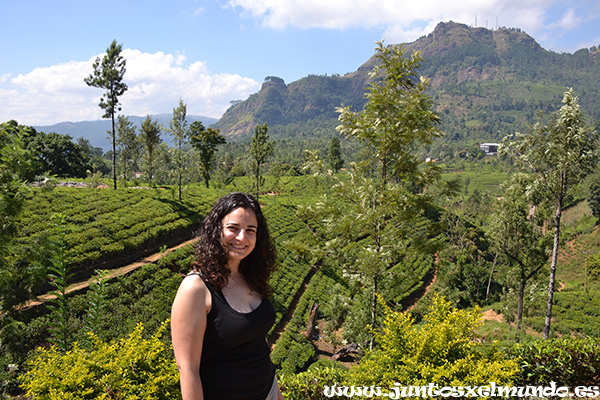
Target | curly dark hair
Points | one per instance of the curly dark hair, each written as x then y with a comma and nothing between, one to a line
211,257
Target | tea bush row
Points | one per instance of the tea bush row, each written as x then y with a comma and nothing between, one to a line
104,225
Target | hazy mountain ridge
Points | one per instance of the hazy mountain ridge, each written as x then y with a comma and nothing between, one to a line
485,83
97,131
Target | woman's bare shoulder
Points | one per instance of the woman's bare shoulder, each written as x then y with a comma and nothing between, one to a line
193,289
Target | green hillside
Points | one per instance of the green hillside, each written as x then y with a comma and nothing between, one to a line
485,83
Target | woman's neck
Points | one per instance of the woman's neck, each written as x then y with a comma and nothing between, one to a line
234,267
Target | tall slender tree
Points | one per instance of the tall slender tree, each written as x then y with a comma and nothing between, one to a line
260,150
150,138
108,74
180,131
129,146
373,222
560,153
334,157
206,142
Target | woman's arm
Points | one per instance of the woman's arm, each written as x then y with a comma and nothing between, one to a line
188,323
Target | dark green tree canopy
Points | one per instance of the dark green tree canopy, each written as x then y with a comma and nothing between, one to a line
58,155
260,150
334,157
206,142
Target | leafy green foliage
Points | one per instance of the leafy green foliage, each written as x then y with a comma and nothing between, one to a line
560,154
128,145
129,368
150,138
97,302
59,275
594,198
308,385
571,361
397,119
178,127
334,157
58,155
260,150
206,142
441,350
15,169
104,225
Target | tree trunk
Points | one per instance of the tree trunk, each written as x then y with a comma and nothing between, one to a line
373,312
310,327
553,268
487,293
257,179
520,305
114,149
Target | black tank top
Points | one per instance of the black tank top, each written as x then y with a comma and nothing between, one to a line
236,362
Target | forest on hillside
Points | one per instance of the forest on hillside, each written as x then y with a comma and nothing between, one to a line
463,270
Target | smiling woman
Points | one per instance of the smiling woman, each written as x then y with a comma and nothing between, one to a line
221,313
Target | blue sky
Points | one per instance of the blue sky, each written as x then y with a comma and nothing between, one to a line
210,52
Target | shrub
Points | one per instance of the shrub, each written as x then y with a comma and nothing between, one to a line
441,350
570,362
293,352
128,368
309,385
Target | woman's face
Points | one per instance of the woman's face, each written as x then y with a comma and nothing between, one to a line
239,233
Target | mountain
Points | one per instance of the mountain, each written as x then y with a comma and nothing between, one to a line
97,131
484,83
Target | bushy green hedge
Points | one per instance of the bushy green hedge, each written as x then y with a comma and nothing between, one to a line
569,362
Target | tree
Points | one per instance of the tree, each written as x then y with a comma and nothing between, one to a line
334,157
16,168
108,74
179,129
128,143
150,137
260,150
560,153
206,142
593,198
517,236
96,155
58,155
370,222
397,119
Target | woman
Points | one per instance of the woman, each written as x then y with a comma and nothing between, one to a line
221,312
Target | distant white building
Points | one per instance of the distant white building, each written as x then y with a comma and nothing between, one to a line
490,149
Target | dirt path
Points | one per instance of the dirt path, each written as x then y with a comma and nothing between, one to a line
112,274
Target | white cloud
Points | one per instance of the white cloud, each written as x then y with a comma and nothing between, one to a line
199,11
569,20
156,83
402,21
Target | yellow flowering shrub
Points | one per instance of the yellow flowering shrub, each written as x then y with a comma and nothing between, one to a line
131,368
441,350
